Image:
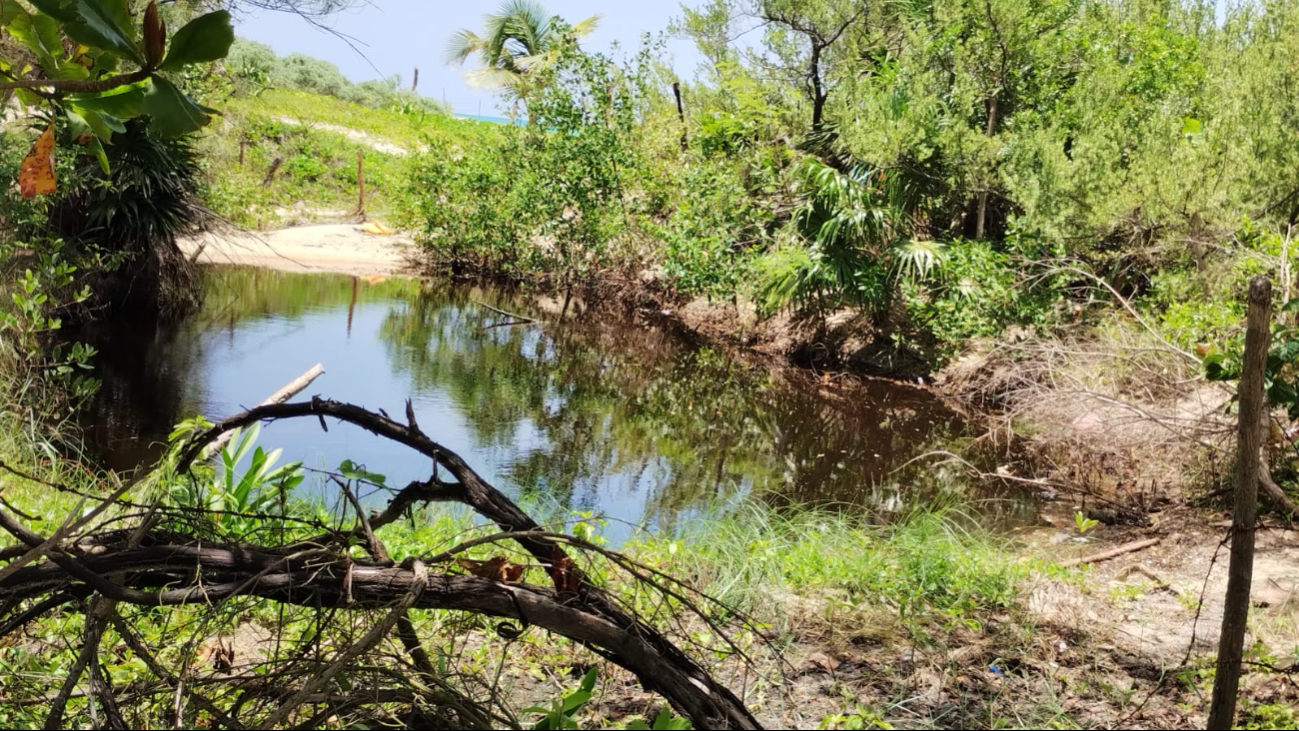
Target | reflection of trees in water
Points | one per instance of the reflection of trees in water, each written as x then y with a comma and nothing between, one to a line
151,370
613,404
616,402
147,370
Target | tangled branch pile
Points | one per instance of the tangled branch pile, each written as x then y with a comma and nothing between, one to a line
126,565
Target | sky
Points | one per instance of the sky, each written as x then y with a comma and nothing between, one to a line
396,36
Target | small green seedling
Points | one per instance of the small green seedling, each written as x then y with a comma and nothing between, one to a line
1083,522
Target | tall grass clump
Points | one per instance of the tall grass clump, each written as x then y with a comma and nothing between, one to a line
925,568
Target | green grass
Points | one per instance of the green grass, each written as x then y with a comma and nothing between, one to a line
924,569
317,176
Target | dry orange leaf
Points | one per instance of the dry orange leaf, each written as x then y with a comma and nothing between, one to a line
36,176
564,573
496,569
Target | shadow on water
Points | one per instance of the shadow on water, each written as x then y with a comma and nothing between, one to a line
604,413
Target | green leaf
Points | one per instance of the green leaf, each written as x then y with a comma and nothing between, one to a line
1191,126
173,113
588,680
123,103
39,33
103,125
9,9
667,721
576,700
61,10
96,27
206,38
352,471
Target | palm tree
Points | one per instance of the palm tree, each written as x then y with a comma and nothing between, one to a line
519,38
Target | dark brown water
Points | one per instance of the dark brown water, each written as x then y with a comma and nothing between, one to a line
616,416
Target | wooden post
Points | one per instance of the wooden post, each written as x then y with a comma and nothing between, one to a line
415,84
360,183
681,113
1249,395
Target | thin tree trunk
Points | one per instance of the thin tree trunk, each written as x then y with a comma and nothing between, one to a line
1240,575
981,222
818,91
681,114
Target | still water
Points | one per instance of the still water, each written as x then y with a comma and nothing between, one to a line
619,416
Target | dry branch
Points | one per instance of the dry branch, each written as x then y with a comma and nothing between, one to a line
1115,553
164,568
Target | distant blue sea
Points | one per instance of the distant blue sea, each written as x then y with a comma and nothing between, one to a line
494,120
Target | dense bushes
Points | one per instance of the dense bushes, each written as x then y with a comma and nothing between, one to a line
971,158
552,198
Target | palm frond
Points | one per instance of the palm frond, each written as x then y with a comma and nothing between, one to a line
916,260
493,78
463,44
587,27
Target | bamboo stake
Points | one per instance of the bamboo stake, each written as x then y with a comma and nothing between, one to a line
1226,682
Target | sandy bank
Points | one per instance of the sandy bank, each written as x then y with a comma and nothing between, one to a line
338,248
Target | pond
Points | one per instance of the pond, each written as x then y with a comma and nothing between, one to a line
618,415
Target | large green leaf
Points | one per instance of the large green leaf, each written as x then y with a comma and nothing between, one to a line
9,9
39,33
173,113
103,125
123,103
206,38
63,10
96,27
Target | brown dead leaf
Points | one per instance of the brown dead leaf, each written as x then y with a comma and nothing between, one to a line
220,653
823,661
36,175
564,573
498,568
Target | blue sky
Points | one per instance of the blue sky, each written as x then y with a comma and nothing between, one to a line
398,35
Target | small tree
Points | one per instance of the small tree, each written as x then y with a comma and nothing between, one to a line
519,40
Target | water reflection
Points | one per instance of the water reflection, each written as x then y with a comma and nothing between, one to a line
610,415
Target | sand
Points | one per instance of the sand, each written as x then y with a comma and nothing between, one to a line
339,248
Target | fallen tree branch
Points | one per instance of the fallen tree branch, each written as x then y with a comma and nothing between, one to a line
1114,553
1273,493
310,574
209,573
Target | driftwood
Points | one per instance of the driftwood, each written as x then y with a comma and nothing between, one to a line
163,568
1114,553
288,391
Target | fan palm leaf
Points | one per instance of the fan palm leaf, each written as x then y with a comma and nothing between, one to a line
519,38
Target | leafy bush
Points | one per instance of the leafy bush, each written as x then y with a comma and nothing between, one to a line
548,199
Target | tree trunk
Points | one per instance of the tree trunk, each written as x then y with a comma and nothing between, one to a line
1240,575
818,89
980,226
